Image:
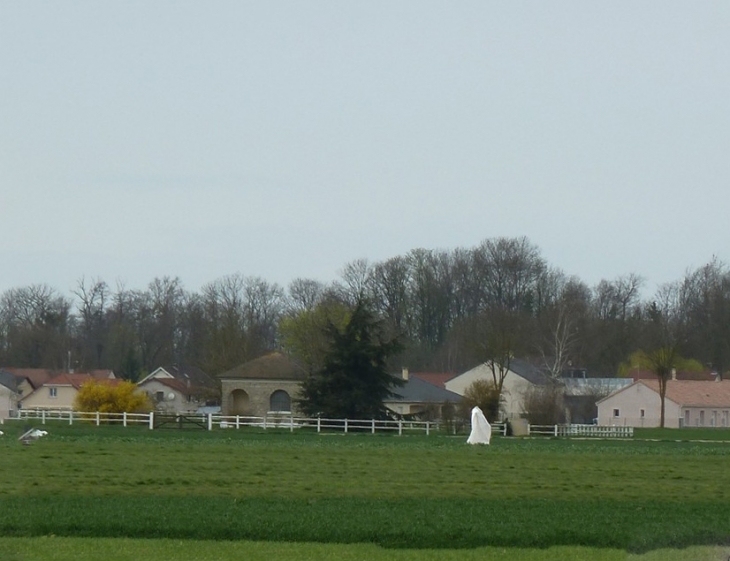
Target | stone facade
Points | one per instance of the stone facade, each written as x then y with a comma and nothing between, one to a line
258,396
268,385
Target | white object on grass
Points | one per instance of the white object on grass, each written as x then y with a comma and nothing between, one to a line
481,430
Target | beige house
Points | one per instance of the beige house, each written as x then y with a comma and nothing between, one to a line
520,378
175,389
29,380
688,403
60,392
268,385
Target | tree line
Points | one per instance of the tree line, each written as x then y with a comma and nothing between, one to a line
449,309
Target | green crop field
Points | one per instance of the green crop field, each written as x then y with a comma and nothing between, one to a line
179,494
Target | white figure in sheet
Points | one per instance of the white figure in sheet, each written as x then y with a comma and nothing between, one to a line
481,430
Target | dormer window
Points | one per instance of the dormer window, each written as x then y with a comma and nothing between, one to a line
52,392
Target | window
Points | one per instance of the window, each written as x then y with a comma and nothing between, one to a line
686,417
615,412
713,419
280,401
53,392
642,414
724,418
702,419
159,396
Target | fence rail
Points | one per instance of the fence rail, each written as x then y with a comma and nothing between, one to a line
211,421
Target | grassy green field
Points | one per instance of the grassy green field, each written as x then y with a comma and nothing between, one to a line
321,496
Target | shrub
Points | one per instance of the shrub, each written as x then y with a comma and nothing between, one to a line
120,398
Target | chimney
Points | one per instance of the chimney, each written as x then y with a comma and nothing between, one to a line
405,373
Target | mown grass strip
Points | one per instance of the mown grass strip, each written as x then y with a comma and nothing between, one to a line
415,523
123,549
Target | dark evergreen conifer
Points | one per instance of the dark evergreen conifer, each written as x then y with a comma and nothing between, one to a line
354,380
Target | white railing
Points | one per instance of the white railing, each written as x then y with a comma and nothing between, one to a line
596,431
323,424
212,421
279,421
96,417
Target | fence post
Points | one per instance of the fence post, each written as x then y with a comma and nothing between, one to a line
71,417
152,420
43,417
210,421
345,426
372,430
291,423
555,430
238,421
265,423
319,424
97,418
400,427
427,428
124,418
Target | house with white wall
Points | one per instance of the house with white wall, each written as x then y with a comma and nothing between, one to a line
687,403
8,394
59,393
520,378
180,389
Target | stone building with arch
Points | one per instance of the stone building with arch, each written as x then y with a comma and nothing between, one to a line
268,385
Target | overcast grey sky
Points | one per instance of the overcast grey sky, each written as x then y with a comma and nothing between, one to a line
284,139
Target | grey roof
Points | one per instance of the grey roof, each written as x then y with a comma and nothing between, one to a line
418,391
594,386
527,371
9,380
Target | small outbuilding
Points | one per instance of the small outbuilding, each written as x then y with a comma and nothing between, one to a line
268,385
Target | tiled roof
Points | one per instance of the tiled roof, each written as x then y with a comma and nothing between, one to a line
437,379
680,375
172,383
36,376
76,380
192,375
691,393
39,376
419,391
9,380
272,366
527,371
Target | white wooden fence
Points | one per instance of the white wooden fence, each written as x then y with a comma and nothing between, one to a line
279,421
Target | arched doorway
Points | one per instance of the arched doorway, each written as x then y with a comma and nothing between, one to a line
238,402
280,402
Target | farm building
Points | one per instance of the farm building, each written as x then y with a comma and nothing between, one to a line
267,385
688,403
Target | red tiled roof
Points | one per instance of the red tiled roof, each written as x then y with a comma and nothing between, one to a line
177,385
76,380
681,375
693,393
437,379
36,376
